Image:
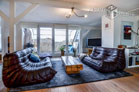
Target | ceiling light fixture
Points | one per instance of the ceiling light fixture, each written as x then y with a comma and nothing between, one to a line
73,12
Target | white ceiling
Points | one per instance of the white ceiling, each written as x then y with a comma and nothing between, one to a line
58,15
54,11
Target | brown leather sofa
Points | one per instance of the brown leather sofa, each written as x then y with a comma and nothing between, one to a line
106,59
18,70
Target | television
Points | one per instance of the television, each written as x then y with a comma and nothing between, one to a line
93,42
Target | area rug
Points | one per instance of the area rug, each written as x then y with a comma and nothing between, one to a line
62,79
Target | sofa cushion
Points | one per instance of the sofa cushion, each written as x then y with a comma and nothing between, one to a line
91,61
82,55
111,55
110,59
97,53
34,58
98,56
44,55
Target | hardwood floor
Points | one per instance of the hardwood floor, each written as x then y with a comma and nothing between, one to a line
125,84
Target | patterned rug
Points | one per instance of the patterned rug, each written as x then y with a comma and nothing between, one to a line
62,79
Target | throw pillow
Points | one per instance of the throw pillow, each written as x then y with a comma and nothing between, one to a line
34,58
34,53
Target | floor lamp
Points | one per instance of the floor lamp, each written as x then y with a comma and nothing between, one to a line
137,37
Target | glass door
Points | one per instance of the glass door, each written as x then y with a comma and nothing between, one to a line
60,39
73,40
51,38
45,39
34,37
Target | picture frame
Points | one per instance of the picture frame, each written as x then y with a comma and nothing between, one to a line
127,32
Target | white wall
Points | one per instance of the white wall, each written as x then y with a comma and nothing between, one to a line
0,36
107,33
93,33
113,36
18,37
5,34
118,30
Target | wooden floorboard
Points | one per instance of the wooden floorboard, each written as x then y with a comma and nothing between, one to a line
124,84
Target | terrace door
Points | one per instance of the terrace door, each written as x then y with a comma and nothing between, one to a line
73,40
60,39
45,39
34,37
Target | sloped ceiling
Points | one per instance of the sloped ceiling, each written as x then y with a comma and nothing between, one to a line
54,11
58,15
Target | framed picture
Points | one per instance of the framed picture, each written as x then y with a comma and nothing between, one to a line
127,32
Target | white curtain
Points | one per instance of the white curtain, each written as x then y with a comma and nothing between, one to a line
27,36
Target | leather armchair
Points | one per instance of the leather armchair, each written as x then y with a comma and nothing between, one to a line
106,59
18,70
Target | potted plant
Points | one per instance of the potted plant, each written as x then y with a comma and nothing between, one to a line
62,50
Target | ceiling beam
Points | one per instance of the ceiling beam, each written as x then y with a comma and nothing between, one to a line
54,3
12,26
134,10
59,4
5,17
19,17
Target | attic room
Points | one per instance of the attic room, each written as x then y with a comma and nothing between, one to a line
69,45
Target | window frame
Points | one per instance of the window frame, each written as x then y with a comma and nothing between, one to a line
53,26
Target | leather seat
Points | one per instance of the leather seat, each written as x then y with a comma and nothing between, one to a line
106,59
18,70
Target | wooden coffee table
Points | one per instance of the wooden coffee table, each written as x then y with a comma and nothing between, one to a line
72,65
